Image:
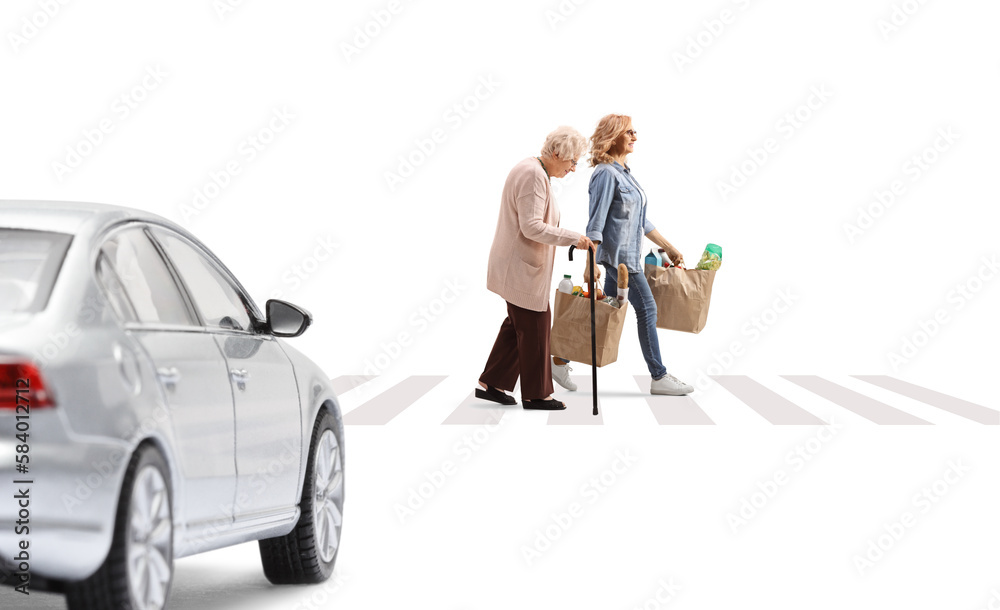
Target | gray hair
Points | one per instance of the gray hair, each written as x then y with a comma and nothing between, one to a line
566,142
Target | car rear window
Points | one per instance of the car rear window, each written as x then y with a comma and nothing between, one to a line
29,264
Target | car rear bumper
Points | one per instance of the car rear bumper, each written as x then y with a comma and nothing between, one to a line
64,507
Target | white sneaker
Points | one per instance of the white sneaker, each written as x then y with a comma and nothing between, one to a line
669,385
560,374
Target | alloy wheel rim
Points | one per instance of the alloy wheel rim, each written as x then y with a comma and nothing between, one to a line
148,542
328,496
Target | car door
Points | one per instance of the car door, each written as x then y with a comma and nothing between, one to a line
190,370
265,393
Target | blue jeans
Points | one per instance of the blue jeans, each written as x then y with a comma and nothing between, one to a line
642,301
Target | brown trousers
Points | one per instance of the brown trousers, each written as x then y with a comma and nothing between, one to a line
522,349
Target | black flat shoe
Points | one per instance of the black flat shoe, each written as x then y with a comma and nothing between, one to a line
550,404
495,395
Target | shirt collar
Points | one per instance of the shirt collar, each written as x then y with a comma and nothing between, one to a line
619,166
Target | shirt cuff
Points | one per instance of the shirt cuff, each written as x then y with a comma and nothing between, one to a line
595,236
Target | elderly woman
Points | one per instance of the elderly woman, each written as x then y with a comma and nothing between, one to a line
520,271
617,223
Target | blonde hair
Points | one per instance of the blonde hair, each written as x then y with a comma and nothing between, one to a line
566,142
609,129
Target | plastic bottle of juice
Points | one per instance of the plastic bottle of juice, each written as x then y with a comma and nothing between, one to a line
664,259
566,285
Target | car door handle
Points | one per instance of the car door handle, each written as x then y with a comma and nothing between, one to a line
239,377
170,376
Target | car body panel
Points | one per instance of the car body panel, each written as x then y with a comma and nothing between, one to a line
268,423
316,393
191,375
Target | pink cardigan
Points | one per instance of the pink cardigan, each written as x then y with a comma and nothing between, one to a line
523,252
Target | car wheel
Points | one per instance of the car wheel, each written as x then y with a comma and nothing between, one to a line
306,554
137,573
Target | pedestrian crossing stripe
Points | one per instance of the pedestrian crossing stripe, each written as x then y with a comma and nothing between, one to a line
735,400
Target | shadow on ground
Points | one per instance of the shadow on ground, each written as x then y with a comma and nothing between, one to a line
195,586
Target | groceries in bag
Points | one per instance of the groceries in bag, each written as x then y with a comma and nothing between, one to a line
711,259
622,283
683,296
600,295
574,320
566,287
653,259
570,335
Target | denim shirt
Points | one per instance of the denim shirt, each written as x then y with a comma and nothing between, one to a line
617,216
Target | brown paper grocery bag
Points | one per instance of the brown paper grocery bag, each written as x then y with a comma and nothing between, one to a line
570,337
682,297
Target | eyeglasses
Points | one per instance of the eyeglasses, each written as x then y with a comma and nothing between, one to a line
632,133
574,162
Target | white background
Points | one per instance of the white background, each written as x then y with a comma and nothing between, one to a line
323,179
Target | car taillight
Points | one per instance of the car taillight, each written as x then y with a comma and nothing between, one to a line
21,385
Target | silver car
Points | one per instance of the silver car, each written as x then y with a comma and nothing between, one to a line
149,411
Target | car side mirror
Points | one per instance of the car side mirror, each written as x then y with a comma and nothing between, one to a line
285,319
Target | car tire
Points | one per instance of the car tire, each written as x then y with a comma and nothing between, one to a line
137,573
306,555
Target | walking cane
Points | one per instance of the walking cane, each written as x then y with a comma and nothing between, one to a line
593,325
